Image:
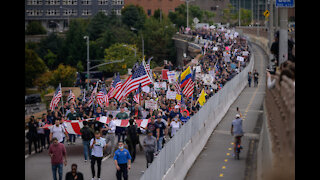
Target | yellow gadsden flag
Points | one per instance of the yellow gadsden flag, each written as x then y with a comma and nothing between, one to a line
202,98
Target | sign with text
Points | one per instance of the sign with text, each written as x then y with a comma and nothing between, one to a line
151,104
164,74
171,94
171,76
284,3
160,85
239,58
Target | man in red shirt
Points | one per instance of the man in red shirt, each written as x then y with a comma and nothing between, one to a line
57,152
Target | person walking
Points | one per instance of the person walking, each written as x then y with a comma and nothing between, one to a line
121,131
32,134
97,145
237,131
86,135
161,132
132,139
150,145
122,161
175,125
58,131
110,137
249,78
72,115
57,152
74,174
255,78
41,135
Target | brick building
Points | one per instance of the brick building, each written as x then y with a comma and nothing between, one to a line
150,6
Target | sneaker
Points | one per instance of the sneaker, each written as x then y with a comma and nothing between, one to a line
92,179
85,161
73,143
68,143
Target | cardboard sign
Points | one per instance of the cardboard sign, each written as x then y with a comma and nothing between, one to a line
160,85
208,79
245,53
215,48
171,94
239,58
151,104
171,76
146,89
164,74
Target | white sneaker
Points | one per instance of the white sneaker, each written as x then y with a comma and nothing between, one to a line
73,143
85,161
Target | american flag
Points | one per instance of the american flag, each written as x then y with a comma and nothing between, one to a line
93,94
115,86
177,85
136,97
71,96
119,94
102,98
84,96
140,76
56,98
148,65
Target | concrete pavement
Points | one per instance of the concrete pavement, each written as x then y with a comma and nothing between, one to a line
38,166
216,160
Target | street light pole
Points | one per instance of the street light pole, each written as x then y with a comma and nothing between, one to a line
239,14
88,61
283,33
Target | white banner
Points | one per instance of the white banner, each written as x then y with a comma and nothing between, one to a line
171,94
239,58
151,104
160,85
171,76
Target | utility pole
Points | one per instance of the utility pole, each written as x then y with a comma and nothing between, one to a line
252,12
271,32
239,13
187,1
88,61
283,33
258,14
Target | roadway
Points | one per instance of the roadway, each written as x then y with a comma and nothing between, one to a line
38,166
216,160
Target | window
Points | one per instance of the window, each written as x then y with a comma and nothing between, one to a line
104,11
102,2
117,2
34,2
86,12
213,8
69,2
34,12
116,11
86,2
52,12
149,12
52,2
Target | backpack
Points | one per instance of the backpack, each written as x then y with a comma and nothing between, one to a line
86,134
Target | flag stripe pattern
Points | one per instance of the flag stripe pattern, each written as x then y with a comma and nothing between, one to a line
56,98
118,95
188,89
71,96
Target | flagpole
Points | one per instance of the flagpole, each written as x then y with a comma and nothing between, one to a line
61,99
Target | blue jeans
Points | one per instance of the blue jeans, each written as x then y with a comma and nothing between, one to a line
86,150
159,144
54,171
72,138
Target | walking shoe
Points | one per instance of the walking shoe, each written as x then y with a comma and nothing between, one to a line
68,143
73,143
85,161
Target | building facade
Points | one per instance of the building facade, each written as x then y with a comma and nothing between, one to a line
150,6
56,14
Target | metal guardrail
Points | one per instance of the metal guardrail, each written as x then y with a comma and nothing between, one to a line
214,106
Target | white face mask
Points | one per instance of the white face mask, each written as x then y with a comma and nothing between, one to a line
120,147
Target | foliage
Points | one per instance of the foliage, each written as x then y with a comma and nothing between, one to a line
158,39
43,81
228,16
133,16
35,28
50,59
66,75
118,52
34,66
97,26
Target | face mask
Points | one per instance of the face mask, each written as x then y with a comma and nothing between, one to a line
120,147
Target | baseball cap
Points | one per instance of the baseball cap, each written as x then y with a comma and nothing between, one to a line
237,115
176,106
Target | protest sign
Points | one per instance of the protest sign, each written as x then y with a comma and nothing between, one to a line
215,48
178,97
145,89
151,104
239,58
160,85
171,94
164,74
245,53
198,68
171,76
208,79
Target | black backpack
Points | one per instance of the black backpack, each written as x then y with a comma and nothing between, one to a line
86,134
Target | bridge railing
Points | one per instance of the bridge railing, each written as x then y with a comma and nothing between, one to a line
178,155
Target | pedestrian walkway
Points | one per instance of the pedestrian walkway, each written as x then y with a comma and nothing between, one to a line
216,160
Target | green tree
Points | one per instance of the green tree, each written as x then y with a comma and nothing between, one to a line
50,59
97,25
133,16
34,66
228,16
158,39
118,52
64,74
34,28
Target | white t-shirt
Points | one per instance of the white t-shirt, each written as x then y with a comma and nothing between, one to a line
97,149
58,132
175,126
112,125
